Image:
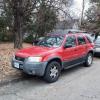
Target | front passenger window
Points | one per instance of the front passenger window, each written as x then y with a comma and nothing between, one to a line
71,41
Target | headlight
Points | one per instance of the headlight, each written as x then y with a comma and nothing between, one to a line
34,59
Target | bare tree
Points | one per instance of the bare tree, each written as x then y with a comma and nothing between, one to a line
92,21
22,11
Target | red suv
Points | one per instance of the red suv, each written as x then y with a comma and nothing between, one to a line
54,53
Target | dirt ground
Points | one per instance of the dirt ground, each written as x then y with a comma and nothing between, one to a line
6,53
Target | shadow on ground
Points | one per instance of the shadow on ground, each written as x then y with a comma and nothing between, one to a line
35,80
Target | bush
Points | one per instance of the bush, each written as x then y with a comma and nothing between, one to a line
6,38
1,35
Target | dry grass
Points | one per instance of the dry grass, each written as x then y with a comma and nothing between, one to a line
6,53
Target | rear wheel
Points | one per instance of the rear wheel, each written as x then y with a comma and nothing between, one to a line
89,60
52,72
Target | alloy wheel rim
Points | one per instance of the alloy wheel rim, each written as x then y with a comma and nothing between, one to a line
53,72
89,59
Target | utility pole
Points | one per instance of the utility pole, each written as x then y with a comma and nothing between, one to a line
82,16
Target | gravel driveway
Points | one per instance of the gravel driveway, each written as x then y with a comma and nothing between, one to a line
78,83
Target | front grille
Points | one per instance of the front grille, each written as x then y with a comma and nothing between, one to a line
19,58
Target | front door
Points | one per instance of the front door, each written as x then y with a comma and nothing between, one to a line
69,52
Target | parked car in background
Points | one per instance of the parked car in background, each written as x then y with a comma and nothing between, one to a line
54,53
73,31
67,31
97,46
91,35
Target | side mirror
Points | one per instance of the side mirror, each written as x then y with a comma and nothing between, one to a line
68,46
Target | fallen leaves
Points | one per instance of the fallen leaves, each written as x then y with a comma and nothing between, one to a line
6,54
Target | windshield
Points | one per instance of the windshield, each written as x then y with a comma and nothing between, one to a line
51,41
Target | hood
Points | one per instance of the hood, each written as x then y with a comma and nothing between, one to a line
33,51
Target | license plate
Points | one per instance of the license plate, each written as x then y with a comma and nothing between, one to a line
16,65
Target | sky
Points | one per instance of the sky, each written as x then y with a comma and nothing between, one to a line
77,7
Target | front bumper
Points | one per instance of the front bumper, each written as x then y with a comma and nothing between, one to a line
30,68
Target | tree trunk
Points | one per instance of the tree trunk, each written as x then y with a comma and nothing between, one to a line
18,36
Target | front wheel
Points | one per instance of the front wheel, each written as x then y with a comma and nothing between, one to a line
89,60
52,72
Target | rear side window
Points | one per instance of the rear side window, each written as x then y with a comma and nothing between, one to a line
81,40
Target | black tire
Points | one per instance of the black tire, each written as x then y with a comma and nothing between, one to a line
48,76
87,63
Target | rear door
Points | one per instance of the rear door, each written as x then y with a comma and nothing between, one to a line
82,47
